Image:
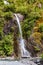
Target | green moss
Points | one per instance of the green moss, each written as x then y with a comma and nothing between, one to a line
41,28
6,45
41,56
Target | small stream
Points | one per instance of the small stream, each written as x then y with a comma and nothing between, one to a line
24,52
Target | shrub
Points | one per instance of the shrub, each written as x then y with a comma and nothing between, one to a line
41,56
41,28
0,36
36,48
6,45
36,35
9,8
8,15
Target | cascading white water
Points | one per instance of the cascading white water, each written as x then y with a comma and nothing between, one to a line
24,52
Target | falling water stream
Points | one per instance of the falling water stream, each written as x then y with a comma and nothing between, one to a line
24,52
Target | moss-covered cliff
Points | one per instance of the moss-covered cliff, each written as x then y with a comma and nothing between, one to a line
32,25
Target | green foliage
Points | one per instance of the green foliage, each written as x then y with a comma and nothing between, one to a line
41,56
1,36
1,2
8,8
36,48
27,26
12,29
6,45
8,15
41,28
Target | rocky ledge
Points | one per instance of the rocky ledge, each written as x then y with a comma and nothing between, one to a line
11,61
17,63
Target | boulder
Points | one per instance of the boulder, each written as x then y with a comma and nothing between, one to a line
20,16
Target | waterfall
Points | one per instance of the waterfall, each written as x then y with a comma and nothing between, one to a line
24,52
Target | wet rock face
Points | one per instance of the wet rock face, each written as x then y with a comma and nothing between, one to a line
30,47
20,16
17,52
11,23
